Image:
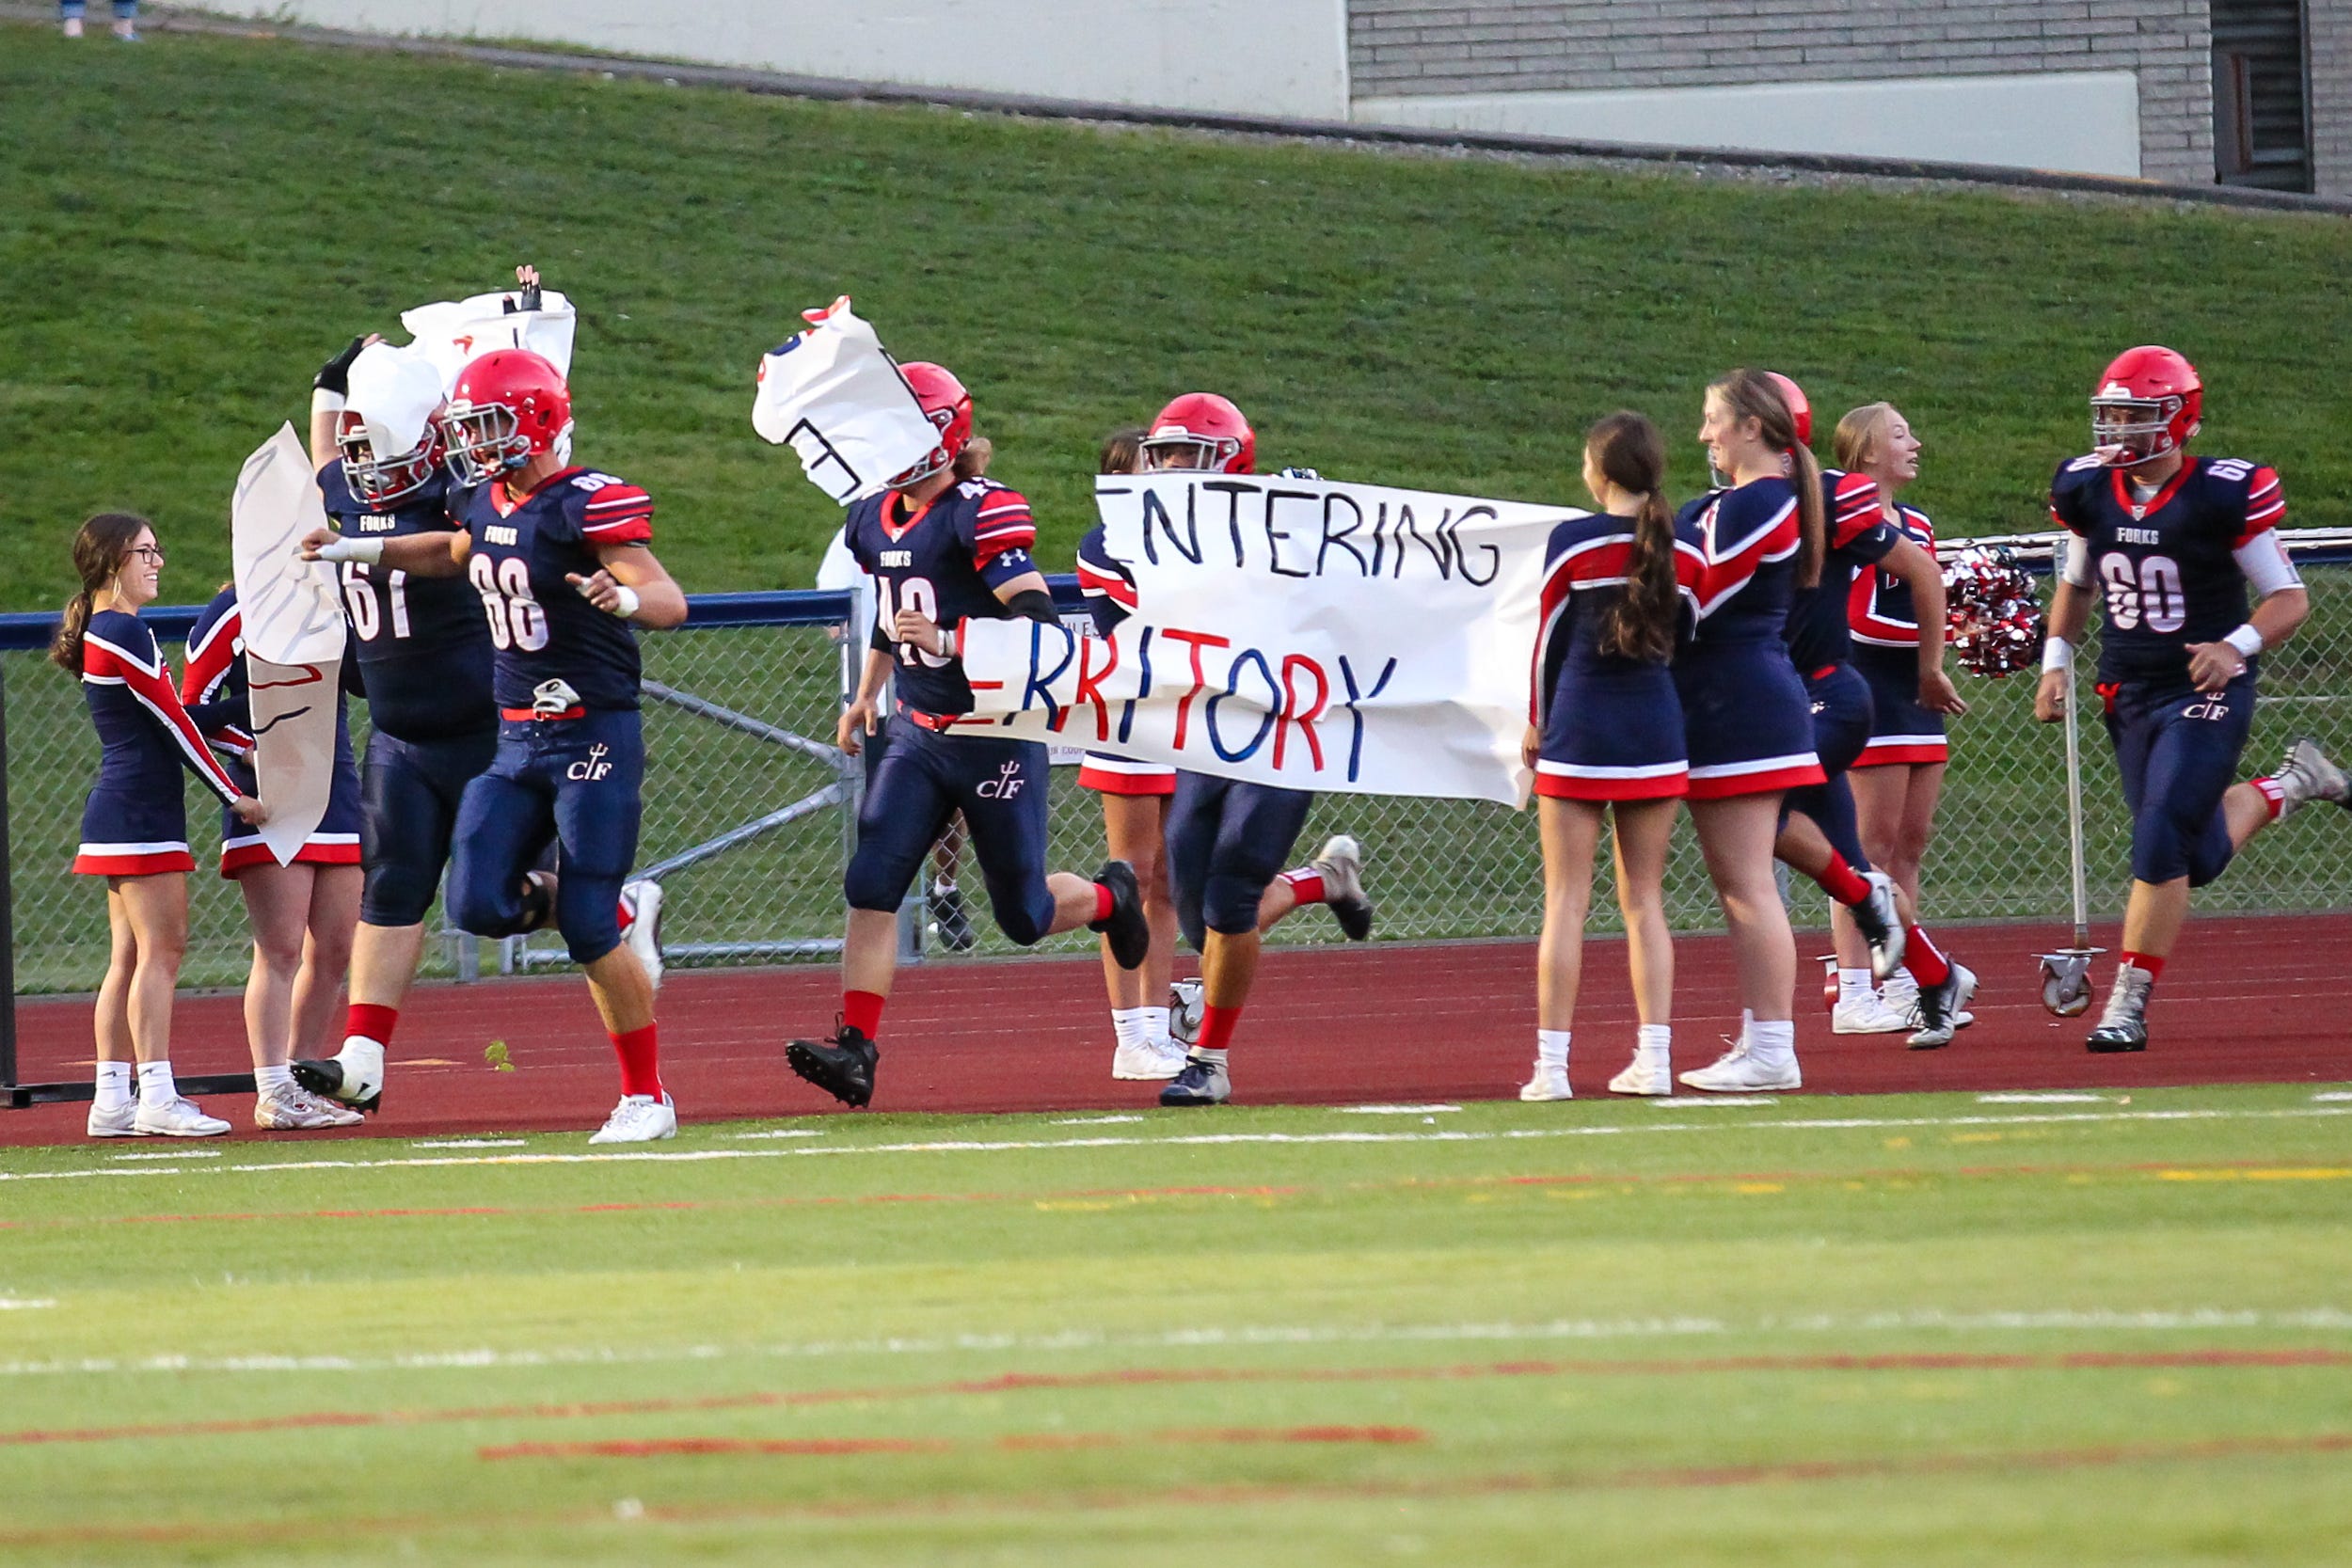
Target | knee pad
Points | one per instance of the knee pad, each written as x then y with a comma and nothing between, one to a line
1230,902
588,913
396,894
1024,919
879,877
487,908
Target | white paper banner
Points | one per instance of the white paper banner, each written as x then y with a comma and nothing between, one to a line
292,608
1300,632
454,331
293,733
837,399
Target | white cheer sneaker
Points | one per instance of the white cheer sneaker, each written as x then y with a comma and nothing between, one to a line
176,1119
120,1121
1867,1015
1650,1072
296,1109
1738,1072
1153,1061
639,1119
1550,1082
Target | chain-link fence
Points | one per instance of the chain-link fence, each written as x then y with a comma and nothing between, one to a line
748,812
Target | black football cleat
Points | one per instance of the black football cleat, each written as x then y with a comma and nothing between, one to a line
1880,920
2124,1025
325,1076
843,1067
950,921
1130,933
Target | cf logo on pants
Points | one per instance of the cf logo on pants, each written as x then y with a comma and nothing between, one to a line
2207,710
592,766
1004,786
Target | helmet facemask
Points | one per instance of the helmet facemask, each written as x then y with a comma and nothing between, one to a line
1184,452
485,439
2126,431
381,483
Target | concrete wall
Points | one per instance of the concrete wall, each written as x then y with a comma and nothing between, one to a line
1267,57
1419,48
2328,25
1978,120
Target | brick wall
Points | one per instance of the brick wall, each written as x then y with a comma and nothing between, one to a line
1398,47
2327,26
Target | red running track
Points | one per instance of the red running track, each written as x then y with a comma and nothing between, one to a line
2264,1000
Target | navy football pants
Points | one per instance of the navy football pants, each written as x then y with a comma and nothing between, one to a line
923,779
1225,841
2178,752
578,781
1841,728
408,798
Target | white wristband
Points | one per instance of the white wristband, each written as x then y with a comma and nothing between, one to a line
2057,654
365,551
325,402
950,645
625,605
2245,639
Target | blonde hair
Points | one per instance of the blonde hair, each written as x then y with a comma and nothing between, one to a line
1859,431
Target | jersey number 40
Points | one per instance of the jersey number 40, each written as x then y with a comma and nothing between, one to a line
2148,595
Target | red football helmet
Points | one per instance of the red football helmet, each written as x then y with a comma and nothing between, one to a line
383,482
1203,433
509,405
1798,407
949,406
2149,402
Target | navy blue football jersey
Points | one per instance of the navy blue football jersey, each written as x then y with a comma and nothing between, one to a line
946,560
423,645
540,626
1859,537
2166,570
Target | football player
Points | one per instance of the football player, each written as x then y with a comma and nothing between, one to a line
560,558
945,545
2169,543
1139,798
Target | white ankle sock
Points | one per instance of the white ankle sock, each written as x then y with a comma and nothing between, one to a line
1155,1026
1214,1058
1771,1042
1551,1048
114,1085
1132,1026
1655,1036
156,1088
270,1080
1853,985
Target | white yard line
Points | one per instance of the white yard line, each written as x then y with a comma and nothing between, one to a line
2095,1321
997,1145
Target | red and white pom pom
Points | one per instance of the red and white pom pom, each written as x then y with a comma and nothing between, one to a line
1995,622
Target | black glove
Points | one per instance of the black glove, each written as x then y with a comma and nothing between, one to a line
335,375
527,300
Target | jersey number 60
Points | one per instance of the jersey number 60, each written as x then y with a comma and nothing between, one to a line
2151,594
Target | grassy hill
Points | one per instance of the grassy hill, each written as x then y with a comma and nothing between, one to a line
188,228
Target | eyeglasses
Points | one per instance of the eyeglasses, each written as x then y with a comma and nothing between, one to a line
149,552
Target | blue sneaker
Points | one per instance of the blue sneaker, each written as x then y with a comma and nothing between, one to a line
1202,1081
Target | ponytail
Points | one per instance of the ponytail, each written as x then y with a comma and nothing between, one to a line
1755,395
1639,622
99,549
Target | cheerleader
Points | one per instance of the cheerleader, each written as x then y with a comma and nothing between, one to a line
1745,713
1607,739
303,913
1898,777
135,826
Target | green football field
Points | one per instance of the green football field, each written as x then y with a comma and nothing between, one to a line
2089,1329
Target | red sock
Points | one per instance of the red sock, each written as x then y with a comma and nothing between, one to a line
640,1061
2151,966
1216,1026
1841,881
1103,902
372,1023
1306,883
2273,796
1926,964
627,915
862,1011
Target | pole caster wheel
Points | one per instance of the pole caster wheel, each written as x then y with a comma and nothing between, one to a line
2066,983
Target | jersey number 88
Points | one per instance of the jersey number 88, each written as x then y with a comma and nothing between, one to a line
516,619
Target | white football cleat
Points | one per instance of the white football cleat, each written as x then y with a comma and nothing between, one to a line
1550,1082
639,1119
1649,1074
354,1075
1148,1060
2309,775
1867,1015
1341,867
1738,1071
296,1109
1880,922
176,1119
120,1122
642,936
